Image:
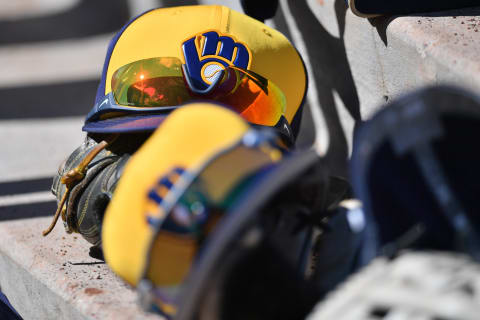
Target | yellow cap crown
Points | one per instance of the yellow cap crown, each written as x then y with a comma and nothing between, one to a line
187,138
204,37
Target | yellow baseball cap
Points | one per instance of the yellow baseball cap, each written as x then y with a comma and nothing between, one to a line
204,39
201,147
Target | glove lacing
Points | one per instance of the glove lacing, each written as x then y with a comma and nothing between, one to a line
72,178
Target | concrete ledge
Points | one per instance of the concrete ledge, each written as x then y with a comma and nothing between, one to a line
54,277
356,65
405,53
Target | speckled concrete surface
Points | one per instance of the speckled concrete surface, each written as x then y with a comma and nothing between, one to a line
357,65
393,55
53,277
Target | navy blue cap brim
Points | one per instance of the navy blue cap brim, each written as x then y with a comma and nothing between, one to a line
125,124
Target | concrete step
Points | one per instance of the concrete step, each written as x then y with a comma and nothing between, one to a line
356,65
393,55
53,277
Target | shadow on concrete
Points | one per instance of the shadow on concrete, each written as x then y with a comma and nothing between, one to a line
381,23
407,7
25,186
332,73
87,18
86,263
31,210
49,100
306,134
175,3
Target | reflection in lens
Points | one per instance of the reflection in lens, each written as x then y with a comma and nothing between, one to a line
158,92
160,82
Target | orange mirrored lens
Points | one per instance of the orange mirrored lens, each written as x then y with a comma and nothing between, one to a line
156,82
159,82
256,99
156,92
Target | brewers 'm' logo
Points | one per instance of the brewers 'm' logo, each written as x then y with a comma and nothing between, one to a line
155,211
208,53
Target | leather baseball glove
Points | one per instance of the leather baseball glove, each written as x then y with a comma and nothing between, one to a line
86,180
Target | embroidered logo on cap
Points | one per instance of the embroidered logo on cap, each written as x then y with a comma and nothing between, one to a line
155,199
210,52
